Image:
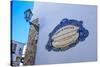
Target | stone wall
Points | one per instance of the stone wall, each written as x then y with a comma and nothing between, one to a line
32,43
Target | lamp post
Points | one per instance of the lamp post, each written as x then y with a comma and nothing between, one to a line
30,53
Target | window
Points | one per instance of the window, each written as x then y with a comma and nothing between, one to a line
20,51
14,48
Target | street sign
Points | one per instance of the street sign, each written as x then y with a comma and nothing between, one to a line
67,34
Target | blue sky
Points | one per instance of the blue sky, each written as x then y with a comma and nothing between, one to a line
20,27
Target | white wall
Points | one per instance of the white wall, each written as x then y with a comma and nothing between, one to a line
50,14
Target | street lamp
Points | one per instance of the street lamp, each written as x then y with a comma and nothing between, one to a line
28,15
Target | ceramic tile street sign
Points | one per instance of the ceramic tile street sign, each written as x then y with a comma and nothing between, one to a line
67,34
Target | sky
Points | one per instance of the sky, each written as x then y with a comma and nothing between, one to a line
20,27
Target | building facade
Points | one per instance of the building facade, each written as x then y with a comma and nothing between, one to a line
16,52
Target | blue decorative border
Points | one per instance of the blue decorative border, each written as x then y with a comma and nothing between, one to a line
83,33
